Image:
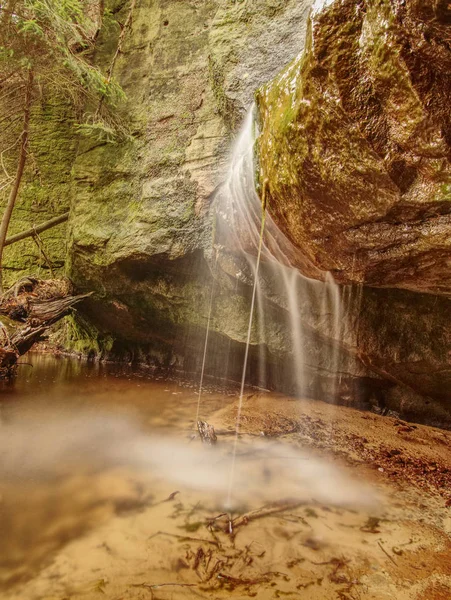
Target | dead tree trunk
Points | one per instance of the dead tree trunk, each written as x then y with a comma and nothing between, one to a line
6,218
37,304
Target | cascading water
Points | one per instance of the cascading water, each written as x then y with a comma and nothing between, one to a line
247,235
312,308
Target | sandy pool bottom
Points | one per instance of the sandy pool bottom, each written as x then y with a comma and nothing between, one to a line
111,534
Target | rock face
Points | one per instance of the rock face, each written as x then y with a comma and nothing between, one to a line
405,337
141,225
356,143
357,168
355,150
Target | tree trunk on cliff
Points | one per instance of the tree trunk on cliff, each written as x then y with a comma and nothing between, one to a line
6,218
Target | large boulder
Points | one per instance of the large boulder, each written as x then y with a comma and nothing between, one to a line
354,154
355,143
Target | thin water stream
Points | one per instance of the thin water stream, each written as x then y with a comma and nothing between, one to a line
207,336
246,354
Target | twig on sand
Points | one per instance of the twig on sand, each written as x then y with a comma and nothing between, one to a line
158,585
171,496
387,554
152,587
211,520
232,432
235,581
263,512
185,538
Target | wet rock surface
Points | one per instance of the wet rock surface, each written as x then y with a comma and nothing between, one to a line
355,150
355,144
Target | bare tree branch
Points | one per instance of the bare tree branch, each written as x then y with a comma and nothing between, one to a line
37,229
19,172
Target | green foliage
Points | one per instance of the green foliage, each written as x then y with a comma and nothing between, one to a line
55,39
30,27
101,132
83,337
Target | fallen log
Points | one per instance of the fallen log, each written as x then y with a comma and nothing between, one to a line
25,295
38,304
50,311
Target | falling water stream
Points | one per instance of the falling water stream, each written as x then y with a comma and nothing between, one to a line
247,231
207,335
246,354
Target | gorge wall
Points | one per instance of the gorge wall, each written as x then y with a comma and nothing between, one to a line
371,207
355,150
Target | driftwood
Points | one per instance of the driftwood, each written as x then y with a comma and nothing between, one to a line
207,433
37,304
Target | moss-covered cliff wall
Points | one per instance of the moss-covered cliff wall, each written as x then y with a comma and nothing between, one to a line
45,192
141,223
354,183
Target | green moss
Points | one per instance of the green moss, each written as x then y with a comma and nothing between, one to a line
225,105
44,192
84,338
445,192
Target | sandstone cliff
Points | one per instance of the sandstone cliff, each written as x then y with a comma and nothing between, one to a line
355,145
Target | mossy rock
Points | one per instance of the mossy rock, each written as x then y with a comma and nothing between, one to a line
355,144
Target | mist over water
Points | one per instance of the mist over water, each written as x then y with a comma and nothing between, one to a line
66,469
48,446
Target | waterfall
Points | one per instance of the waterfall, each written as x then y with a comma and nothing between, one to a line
313,309
247,237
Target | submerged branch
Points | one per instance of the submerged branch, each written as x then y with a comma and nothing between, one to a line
262,512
